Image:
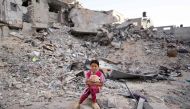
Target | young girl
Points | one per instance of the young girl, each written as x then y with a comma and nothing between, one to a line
94,82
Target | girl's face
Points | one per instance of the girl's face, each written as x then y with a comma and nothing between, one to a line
94,67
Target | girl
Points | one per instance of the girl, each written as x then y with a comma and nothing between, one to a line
94,82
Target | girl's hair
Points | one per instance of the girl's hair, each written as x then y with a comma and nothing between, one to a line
94,62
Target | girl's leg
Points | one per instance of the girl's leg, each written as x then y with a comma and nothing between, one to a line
93,92
84,95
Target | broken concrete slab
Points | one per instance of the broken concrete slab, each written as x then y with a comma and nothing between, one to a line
158,106
4,31
111,103
56,25
18,35
11,13
86,20
27,27
140,103
116,45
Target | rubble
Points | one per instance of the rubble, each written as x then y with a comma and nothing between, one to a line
42,62
111,103
15,34
89,21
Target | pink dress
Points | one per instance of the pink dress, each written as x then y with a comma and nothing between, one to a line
93,90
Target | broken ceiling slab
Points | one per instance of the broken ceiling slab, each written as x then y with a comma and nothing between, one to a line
86,20
40,25
62,1
77,32
11,13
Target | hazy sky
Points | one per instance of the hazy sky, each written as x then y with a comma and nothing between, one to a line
162,12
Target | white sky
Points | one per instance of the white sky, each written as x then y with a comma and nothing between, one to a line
162,12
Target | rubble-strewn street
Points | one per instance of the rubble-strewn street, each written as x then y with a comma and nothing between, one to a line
41,66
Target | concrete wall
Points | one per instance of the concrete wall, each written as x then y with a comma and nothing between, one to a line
39,13
11,12
53,17
2,11
136,21
166,29
4,31
183,33
86,20
142,22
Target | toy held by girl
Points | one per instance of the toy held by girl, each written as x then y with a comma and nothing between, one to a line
94,82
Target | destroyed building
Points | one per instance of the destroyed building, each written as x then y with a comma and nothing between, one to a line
39,13
44,70
180,33
11,12
143,22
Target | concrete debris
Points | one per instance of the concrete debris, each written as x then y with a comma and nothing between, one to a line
49,47
182,50
188,66
4,30
15,34
182,101
111,103
24,103
140,103
116,45
90,21
46,47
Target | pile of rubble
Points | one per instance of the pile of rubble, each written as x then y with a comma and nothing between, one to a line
42,66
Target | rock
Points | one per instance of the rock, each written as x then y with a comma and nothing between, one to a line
35,53
27,28
1,97
158,106
140,103
18,85
111,103
188,66
46,95
116,45
86,20
55,85
2,64
56,25
49,47
23,103
15,34
124,25
110,36
68,79
182,50
5,31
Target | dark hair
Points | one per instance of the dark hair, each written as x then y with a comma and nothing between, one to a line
94,62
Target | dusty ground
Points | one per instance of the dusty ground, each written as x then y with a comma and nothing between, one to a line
48,84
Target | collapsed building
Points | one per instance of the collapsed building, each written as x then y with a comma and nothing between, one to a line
36,14
143,22
45,69
180,33
31,15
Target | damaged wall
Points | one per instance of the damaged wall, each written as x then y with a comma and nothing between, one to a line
53,17
39,13
141,22
183,33
64,1
86,20
11,12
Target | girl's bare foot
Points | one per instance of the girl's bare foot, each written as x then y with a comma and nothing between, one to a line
77,106
95,106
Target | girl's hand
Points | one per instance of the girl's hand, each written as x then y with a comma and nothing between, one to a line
90,83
